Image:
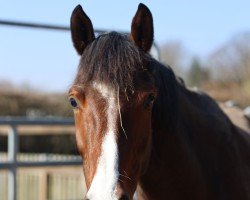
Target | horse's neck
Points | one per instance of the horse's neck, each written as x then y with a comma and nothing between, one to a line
197,115
173,170
187,158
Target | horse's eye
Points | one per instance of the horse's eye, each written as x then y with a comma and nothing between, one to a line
150,100
73,102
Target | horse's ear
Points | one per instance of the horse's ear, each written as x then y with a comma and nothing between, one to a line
142,30
82,31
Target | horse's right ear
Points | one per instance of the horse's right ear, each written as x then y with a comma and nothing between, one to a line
82,31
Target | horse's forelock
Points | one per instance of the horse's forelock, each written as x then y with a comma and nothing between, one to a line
111,59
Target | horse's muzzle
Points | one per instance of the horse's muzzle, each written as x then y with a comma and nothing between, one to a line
123,197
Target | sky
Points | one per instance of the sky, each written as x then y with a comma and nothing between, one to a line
46,60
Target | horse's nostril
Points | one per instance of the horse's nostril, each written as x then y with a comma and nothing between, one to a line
124,197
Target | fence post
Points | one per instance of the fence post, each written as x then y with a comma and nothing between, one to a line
13,147
43,185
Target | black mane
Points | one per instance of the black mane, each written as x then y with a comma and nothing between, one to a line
165,110
111,58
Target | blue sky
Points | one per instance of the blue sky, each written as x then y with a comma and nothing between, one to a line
47,60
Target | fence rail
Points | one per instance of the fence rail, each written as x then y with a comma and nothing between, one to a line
40,26
13,147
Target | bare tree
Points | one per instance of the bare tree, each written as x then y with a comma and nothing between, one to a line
232,60
173,54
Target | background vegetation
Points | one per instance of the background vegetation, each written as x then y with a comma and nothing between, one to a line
224,73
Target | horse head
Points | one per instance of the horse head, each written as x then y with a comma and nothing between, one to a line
112,97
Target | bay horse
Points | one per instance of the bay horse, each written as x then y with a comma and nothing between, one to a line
139,129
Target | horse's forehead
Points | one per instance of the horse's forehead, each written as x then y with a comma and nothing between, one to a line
104,89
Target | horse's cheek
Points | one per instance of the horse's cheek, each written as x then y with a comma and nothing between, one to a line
78,132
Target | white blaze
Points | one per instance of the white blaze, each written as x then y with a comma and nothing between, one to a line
106,176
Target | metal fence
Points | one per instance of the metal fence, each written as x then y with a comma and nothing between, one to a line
13,146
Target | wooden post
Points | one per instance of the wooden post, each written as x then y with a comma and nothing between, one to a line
43,185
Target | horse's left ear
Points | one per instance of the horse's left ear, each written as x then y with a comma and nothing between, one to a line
82,31
142,30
